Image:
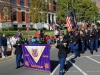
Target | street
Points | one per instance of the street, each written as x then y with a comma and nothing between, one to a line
87,64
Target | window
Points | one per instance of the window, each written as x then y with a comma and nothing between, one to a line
28,3
14,16
13,1
23,16
22,2
54,6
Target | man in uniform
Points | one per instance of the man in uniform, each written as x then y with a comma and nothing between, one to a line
75,45
91,40
96,38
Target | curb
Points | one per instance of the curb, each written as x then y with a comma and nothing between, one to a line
7,58
12,57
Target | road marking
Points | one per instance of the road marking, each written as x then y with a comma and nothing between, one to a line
93,60
77,67
89,56
59,65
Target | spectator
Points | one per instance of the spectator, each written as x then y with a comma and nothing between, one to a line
3,45
26,41
37,34
13,42
33,40
19,34
56,32
41,34
52,39
47,38
39,41
30,42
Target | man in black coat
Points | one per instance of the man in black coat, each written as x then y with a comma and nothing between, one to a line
18,52
61,44
3,45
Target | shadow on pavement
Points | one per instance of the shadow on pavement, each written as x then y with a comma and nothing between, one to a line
53,64
68,65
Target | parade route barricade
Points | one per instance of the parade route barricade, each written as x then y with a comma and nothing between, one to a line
37,56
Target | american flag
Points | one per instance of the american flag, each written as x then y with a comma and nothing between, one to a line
68,21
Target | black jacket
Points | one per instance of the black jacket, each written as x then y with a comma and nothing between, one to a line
97,33
3,41
76,37
82,37
18,49
87,36
62,53
92,36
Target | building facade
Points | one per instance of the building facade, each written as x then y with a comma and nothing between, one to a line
18,14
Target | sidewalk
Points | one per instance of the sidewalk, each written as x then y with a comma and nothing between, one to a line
9,53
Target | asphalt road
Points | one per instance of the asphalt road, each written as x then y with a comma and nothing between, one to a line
87,64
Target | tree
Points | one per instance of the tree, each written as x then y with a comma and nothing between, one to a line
38,10
85,9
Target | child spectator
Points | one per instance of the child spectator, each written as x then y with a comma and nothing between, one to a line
30,42
38,40
33,40
52,39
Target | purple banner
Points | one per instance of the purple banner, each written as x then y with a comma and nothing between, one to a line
37,56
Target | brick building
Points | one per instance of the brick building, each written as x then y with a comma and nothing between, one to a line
18,11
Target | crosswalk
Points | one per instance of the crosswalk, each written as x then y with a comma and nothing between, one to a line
87,64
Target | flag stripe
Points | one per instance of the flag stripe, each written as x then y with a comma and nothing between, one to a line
68,21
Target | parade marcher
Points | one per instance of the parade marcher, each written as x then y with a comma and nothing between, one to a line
96,38
86,39
75,45
91,40
13,42
99,35
18,52
3,45
69,37
62,54
82,41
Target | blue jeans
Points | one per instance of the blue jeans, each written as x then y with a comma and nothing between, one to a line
4,49
91,46
82,43
19,59
62,63
87,45
71,46
96,44
75,49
